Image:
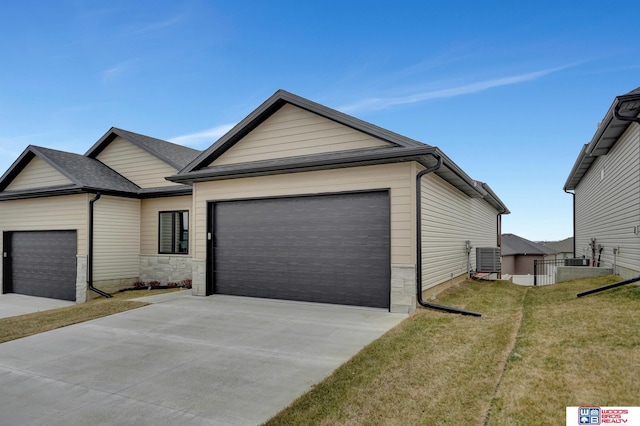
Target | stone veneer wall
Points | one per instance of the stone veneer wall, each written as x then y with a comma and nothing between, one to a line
403,288
166,269
81,279
199,284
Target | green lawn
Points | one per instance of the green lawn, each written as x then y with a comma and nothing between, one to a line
533,352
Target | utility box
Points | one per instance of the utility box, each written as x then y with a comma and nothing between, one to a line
488,259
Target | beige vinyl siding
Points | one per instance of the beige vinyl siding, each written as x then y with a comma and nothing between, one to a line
37,174
116,238
136,164
67,212
608,203
292,131
449,218
396,177
150,209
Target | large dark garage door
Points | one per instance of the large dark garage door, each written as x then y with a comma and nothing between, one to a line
41,263
327,248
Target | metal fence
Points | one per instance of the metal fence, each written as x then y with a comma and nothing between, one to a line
544,271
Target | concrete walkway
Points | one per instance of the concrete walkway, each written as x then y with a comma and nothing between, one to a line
184,360
12,304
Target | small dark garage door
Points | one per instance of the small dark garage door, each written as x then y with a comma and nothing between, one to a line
41,263
327,248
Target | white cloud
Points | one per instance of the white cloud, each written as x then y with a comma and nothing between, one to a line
118,70
207,137
382,103
149,27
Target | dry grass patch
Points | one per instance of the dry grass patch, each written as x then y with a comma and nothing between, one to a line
433,368
534,352
572,352
26,325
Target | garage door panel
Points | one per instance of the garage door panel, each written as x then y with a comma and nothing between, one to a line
330,248
43,264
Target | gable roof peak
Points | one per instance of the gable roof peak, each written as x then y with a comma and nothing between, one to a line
177,156
277,101
83,172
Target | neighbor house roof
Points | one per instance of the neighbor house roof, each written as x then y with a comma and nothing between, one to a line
177,156
513,245
615,122
563,246
400,148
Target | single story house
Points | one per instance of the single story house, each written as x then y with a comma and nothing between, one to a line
518,254
298,201
563,249
59,238
605,184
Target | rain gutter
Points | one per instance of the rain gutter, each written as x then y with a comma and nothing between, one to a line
90,257
448,309
573,194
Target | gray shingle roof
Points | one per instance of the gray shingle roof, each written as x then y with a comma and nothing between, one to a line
90,175
563,246
515,245
86,172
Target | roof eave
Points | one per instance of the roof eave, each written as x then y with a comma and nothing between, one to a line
16,167
607,134
576,173
76,189
40,192
311,164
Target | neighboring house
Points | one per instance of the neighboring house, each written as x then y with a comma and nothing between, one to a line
518,254
297,201
605,181
47,222
563,249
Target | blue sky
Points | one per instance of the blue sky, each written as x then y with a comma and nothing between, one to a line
509,90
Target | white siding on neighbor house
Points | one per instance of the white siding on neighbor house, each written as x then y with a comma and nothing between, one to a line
149,214
116,238
449,218
37,174
608,203
292,131
398,177
136,164
66,212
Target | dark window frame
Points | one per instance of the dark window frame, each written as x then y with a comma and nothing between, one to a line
179,246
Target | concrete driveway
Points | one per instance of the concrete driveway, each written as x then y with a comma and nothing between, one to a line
184,360
12,304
